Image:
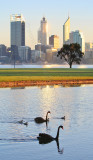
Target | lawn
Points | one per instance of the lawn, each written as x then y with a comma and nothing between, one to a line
45,74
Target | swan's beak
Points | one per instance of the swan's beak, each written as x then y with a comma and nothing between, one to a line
62,127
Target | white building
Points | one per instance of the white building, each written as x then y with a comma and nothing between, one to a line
24,53
17,30
43,32
77,37
66,31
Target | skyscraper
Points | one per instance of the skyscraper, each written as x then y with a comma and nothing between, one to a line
43,32
17,30
78,37
2,50
54,41
66,31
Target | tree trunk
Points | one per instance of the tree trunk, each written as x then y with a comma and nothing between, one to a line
70,65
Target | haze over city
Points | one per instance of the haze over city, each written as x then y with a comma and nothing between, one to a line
56,13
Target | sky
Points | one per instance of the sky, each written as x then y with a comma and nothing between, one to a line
56,13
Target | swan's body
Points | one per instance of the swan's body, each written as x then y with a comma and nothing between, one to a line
46,138
25,123
41,120
22,122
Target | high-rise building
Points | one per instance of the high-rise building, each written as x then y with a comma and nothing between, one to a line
4,57
89,51
66,31
24,53
2,50
17,30
54,41
77,37
42,48
88,46
43,32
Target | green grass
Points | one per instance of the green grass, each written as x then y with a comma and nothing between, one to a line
45,74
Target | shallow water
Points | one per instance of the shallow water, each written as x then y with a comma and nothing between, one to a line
18,141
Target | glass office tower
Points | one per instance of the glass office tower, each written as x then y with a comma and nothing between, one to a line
17,30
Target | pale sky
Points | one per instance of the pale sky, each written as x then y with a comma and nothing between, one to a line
56,13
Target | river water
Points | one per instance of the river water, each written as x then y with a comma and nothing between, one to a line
45,66
19,142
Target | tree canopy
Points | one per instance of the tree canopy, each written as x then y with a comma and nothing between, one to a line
71,53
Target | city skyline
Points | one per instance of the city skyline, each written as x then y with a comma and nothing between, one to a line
56,13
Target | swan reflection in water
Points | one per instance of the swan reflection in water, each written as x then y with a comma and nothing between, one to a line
46,138
59,150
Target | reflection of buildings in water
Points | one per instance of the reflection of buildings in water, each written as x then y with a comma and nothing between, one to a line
56,86
41,87
47,98
17,88
61,85
50,102
50,99
50,86
83,85
71,85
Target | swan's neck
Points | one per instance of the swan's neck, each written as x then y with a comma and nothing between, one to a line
57,134
46,116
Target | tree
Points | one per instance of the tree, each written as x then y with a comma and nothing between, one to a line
71,53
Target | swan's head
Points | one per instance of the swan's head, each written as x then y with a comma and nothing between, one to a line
61,127
48,112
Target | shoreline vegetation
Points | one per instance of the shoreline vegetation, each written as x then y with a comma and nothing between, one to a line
45,76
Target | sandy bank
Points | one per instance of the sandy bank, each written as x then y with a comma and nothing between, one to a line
51,82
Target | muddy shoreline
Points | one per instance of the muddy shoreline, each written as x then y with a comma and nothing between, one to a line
41,83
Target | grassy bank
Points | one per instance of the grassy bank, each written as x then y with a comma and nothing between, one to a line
45,74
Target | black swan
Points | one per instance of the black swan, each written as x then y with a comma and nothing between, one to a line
46,138
25,123
21,121
63,117
41,120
